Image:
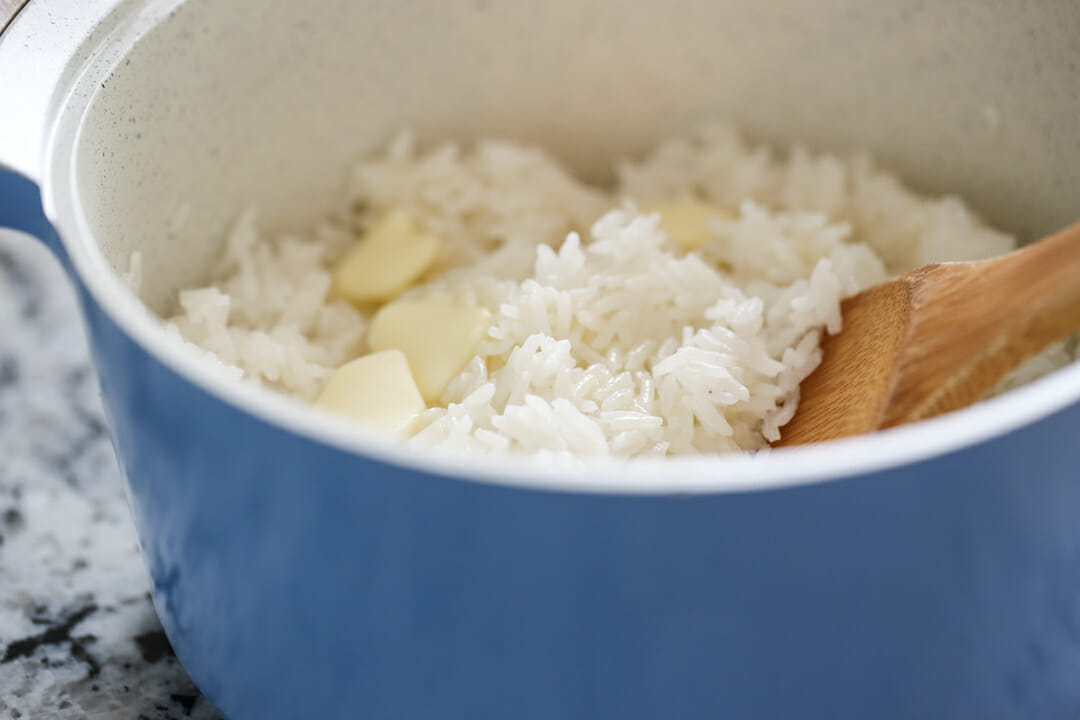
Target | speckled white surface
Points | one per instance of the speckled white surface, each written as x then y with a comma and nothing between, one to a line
78,635
955,97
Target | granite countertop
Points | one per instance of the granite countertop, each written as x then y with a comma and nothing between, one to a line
78,634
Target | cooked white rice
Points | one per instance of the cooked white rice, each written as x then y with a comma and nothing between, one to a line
606,339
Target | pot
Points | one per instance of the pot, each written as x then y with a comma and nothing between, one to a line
303,568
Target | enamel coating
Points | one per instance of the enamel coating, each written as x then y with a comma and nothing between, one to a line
299,575
298,580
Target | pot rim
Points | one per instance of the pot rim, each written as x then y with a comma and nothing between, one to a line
767,469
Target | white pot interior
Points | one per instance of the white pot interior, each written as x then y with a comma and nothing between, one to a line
224,105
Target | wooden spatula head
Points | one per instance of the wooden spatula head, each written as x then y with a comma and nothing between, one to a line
937,339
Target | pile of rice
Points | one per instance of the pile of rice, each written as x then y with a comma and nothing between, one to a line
606,338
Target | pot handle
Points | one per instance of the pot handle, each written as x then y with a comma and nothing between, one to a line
20,209
8,10
20,202
39,40
43,43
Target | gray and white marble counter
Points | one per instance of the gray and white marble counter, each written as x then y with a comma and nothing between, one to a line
78,634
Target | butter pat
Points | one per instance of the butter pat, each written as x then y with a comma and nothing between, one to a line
377,390
686,222
437,334
387,260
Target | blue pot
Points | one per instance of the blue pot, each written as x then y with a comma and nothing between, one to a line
931,572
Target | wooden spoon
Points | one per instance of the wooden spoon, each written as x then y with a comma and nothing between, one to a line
937,339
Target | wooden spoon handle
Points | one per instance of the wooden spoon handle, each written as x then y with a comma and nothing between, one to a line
1046,279
971,323
938,338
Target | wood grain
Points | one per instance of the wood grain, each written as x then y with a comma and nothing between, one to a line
938,339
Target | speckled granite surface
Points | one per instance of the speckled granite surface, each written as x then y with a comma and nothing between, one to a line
78,634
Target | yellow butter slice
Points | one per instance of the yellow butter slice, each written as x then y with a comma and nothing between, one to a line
438,335
686,222
390,257
377,390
